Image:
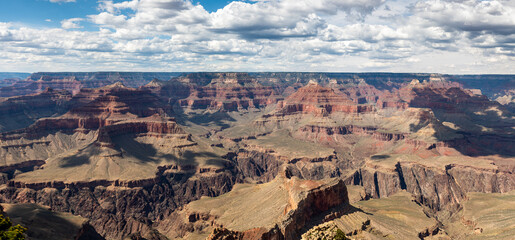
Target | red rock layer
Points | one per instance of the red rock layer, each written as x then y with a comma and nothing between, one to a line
318,100
226,91
437,95
361,94
111,105
218,91
335,134
311,203
230,98
154,126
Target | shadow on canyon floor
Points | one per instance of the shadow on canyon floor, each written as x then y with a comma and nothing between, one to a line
45,224
218,118
485,131
146,153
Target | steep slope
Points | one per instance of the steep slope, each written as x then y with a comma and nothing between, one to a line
50,136
20,112
226,91
490,85
274,210
425,136
121,143
134,161
45,224
121,129
318,100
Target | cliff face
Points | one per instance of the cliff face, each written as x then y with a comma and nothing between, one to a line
120,211
20,112
215,91
230,98
226,91
111,133
290,205
313,202
135,111
137,161
103,107
336,134
320,101
490,85
438,189
447,96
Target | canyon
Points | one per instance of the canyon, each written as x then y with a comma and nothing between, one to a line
260,155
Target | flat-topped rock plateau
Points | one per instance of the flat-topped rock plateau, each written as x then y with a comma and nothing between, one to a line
258,156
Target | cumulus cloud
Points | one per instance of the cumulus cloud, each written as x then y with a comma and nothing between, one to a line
71,23
453,25
473,16
268,35
286,18
150,17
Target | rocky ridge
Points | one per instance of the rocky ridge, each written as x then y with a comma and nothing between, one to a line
134,161
286,205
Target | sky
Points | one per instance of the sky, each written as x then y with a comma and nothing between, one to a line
436,36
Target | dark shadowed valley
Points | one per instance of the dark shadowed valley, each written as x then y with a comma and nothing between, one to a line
261,155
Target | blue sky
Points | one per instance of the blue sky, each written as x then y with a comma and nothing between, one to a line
35,12
473,36
38,12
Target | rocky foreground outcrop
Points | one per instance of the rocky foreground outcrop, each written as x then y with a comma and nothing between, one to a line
137,161
117,160
117,212
282,207
41,223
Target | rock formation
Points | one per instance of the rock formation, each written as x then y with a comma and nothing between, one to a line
318,100
258,155
227,91
73,82
20,112
275,210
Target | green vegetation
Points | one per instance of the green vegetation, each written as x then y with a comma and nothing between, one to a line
327,231
10,232
340,235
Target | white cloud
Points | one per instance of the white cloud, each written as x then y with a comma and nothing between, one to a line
287,18
71,23
473,16
110,7
282,35
108,19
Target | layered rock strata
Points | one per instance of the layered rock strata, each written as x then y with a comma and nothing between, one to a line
317,100
291,204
